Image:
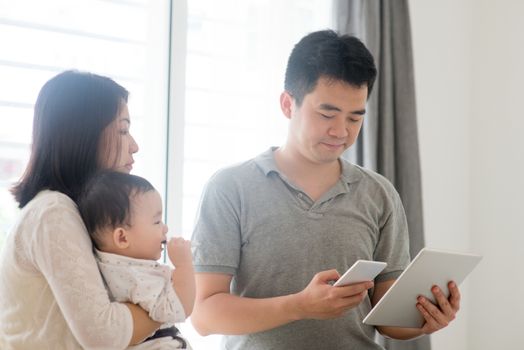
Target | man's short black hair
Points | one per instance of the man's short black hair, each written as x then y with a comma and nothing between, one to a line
105,201
328,54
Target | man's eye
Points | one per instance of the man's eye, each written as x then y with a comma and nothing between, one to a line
327,116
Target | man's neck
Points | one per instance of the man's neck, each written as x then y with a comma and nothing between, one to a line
313,178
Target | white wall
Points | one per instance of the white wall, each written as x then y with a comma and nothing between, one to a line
468,66
497,175
441,32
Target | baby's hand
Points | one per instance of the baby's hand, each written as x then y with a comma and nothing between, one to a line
179,251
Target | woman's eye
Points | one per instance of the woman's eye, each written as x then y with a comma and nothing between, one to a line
124,132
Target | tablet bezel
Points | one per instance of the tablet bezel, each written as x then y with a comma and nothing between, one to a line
430,267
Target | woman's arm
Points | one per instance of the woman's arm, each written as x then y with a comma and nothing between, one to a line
62,251
143,326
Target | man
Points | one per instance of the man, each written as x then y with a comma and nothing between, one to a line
272,232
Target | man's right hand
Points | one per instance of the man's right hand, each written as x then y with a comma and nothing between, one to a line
320,300
217,311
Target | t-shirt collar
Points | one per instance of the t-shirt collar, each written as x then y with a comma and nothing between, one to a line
266,162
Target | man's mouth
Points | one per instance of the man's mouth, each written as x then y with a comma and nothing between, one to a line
333,145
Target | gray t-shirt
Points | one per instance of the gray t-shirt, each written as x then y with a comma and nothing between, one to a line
256,225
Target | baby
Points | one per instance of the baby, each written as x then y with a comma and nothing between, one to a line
123,215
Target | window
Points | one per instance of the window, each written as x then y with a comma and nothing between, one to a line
124,39
237,51
236,57
224,74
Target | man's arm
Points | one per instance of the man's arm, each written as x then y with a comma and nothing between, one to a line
436,316
217,311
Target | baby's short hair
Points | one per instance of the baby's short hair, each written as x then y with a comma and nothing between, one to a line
105,202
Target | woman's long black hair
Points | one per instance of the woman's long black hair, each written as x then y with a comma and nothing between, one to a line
71,112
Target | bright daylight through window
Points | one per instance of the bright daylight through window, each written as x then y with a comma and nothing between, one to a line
42,38
235,58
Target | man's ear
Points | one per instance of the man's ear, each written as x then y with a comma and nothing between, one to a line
286,104
121,238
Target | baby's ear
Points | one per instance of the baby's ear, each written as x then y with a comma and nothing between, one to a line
120,238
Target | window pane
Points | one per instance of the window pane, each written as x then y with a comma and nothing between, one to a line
127,40
237,51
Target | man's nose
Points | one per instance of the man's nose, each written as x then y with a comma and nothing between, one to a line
338,128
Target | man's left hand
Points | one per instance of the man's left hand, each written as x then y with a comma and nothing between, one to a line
439,316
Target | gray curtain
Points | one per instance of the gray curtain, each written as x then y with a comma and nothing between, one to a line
388,142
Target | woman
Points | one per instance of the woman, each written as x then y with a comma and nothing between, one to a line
51,293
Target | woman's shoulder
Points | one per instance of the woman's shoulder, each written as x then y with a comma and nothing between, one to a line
47,202
49,198
49,220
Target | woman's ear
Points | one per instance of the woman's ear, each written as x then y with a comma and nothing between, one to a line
121,238
286,104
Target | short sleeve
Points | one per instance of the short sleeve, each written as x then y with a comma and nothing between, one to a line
217,234
167,307
147,284
393,243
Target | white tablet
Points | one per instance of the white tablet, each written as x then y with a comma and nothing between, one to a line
430,267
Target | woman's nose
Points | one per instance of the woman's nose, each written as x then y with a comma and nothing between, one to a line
133,147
